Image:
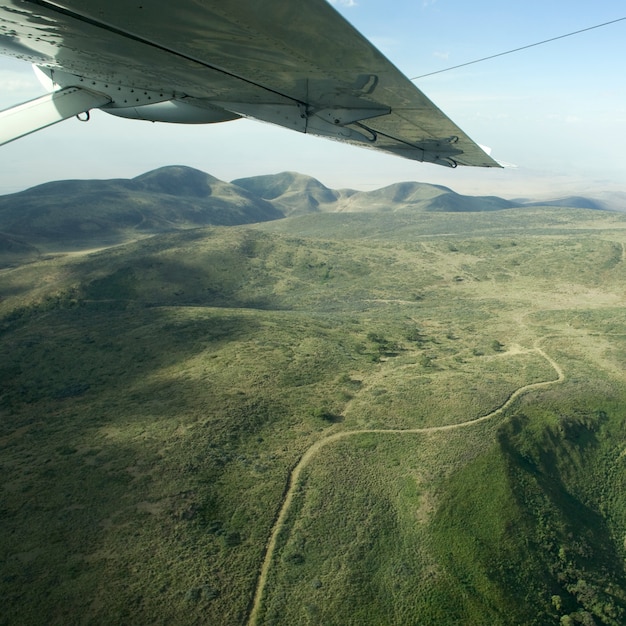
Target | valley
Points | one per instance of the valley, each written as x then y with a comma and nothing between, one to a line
390,415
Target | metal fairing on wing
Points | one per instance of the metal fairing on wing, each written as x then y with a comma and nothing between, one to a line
296,64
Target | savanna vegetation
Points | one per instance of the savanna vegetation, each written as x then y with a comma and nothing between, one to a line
159,396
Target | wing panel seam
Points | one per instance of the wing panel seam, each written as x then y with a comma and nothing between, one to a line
51,6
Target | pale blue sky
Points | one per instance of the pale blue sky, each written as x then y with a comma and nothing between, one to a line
557,111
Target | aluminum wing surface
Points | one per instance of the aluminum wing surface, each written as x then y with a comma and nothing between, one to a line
298,64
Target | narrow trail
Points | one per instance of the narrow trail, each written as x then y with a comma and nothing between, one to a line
306,458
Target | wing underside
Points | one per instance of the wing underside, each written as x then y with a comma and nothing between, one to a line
296,64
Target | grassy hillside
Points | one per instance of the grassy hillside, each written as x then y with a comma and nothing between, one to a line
293,193
72,215
422,412
76,214
296,194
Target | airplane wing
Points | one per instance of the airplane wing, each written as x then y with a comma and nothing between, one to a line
297,64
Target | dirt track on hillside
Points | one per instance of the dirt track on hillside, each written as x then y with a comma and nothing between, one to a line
306,458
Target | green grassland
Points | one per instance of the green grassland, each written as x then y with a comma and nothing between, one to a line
158,397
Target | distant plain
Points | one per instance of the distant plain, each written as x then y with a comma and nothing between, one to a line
168,388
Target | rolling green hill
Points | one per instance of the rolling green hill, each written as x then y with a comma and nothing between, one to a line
293,193
73,214
339,418
297,194
579,202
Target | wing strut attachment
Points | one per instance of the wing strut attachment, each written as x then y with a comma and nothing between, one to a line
54,107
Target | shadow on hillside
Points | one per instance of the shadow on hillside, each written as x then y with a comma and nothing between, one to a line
203,267
100,351
95,405
545,474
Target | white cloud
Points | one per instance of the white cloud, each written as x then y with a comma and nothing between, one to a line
344,3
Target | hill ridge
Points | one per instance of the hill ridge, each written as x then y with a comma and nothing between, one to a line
74,214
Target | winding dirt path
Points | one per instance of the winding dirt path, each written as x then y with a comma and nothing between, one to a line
308,456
